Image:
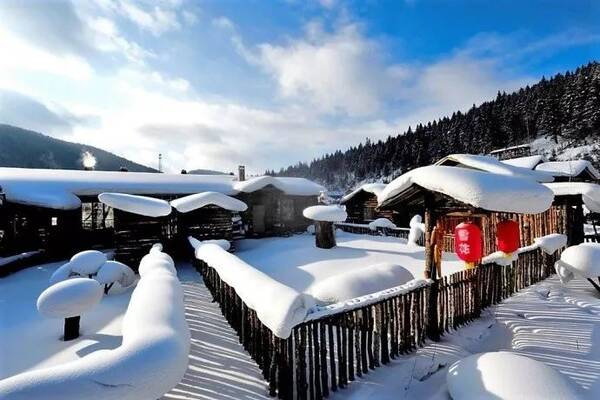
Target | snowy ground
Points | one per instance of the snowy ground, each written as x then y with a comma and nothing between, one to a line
296,262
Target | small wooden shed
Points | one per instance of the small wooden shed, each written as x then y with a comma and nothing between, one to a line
361,205
275,204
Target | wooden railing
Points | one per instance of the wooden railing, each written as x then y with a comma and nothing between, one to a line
364,229
327,352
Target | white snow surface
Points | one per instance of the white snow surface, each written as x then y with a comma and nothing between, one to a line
290,186
582,259
69,298
492,192
199,200
333,213
141,205
493,165
551,243
381,223
568,168
278,306
508,376
15,257
590,192
529,162
360,282
374,188
87,262
151,359
115,272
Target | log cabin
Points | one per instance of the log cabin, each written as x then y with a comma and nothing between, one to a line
361,204
570,171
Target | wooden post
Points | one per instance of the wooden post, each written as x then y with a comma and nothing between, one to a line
430,270
71,328
324,234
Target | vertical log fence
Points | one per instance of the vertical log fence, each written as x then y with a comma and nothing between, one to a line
325,354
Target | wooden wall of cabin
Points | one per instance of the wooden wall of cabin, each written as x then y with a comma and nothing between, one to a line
362,209
206,223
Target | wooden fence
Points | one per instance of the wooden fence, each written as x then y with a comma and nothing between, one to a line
365,230
325,354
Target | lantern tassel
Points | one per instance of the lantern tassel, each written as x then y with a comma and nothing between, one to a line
469,265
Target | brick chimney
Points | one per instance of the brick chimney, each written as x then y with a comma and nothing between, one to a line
241,173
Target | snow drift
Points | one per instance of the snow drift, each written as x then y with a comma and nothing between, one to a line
279,307
150,361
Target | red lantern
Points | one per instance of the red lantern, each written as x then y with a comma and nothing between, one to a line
467,243
508,238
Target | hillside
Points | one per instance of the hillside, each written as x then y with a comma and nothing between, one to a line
28,149
557,115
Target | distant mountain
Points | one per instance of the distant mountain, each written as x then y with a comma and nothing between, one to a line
560,117
207,172
29,149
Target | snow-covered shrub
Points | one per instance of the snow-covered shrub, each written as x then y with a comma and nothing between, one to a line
115,276
279,307
151,360
507,376
582,260
360,282
417,229
68,300
310,229
381,223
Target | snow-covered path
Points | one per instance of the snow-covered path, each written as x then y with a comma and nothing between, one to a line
557,325
219,367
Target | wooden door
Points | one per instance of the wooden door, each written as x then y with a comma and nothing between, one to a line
258,218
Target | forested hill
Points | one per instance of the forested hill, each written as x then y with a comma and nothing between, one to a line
29,149
565,108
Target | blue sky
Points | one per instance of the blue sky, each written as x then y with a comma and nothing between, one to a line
214,84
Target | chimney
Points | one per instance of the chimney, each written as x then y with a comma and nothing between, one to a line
241,173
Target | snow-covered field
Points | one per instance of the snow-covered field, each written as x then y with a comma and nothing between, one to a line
298,263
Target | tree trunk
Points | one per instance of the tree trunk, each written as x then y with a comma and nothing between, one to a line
324,235
71,328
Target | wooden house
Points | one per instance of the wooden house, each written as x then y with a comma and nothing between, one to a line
275,204
570,171
361,204
522,150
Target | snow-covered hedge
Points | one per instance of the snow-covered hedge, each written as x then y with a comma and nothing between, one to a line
279,307
381,223
150,361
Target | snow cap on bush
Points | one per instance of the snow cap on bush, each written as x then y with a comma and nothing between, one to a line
69,298
87,262
114,271
583,260
381,223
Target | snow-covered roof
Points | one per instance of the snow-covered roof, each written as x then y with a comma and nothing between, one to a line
140,205
199,200
529,162
492,192
59,189
374,188
333,213
590,192
493,165
571,168
290,186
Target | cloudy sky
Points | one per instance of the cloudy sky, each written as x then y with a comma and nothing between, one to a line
214,84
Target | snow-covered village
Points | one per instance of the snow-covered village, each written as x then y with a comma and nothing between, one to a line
210,200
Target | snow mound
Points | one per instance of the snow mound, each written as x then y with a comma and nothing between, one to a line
141,205
325,213
381,223
290,186
590,192
551,243
279,307
529,162
568,168
360,282
583,260
507,376
69,298
115,272
199,200
492,192
374,188
494,166
417,229
151,360
87,262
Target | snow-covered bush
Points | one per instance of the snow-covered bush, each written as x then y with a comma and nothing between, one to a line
417,229
94,264
151,360
507,376
68,300
381,223
582,260
360,282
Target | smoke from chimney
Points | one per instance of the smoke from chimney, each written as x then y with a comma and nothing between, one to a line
88,160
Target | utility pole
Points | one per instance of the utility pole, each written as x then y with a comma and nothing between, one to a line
159,162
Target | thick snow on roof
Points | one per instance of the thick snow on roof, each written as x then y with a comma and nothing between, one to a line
199,200
151,360
493,165
59,188
141,205
568,168
333,213
484,190
529,162
374,188
590,192
291,186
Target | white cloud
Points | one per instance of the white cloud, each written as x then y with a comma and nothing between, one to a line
156,19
